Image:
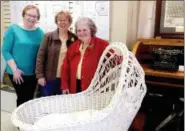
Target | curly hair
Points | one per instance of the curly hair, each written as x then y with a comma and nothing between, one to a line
90,24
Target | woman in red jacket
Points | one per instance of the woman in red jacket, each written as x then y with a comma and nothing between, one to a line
82,57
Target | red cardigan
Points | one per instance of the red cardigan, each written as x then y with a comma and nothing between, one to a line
89,64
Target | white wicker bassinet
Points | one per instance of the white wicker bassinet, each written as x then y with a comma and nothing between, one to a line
109,104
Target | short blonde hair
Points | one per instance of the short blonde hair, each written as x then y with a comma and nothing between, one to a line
28,7
90,23
66,14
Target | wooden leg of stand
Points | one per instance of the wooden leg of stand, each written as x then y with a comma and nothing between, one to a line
138,122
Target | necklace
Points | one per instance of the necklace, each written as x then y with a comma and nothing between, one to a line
83,47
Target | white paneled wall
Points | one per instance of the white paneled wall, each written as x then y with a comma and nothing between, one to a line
8,99
5,16
5,22
129,20
132,22
118,21
146,21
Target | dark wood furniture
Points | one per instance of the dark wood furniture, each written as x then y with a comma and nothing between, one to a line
143,52
160,83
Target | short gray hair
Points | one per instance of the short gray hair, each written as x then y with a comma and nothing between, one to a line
90,23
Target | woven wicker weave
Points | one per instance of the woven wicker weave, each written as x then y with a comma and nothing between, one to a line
109,104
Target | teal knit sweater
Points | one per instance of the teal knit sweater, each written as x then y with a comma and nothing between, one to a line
22,45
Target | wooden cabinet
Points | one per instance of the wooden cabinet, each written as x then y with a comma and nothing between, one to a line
143,52
168,85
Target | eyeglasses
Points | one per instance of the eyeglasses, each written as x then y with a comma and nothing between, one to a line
33,16
63,20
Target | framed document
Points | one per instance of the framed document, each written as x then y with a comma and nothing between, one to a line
169,20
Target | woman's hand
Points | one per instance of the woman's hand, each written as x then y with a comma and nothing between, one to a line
65,91
17,76
42,81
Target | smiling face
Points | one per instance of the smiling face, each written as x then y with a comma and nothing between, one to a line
30,18
83,32
63,22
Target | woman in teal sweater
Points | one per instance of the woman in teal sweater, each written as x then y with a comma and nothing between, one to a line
20,47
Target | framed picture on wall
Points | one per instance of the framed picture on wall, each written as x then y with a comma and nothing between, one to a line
169,20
